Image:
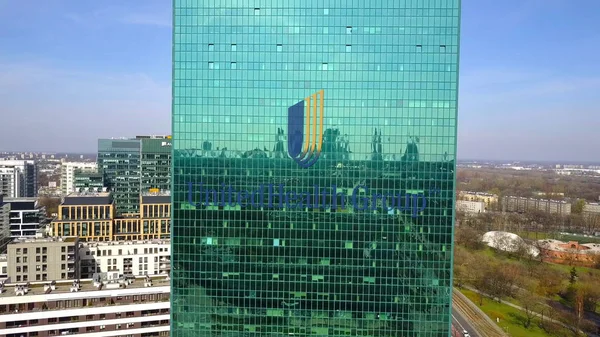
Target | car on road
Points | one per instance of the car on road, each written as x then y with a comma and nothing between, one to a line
466,333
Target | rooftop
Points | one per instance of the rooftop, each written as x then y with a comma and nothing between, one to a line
85,285
88,198
124,243
156,199
584,248
45,240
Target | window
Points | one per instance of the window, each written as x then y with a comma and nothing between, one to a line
211,47
44,250
348,48
38,277
211,65
18,269
18,250
24,259
25,269
324,66
233,47
63,249
38,259
256,11
24,250
233,65
349,30
279,47
18,259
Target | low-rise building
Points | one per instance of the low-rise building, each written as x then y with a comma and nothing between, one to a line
521,204
489,199
106,306
151,257
43,259
571,253
470,207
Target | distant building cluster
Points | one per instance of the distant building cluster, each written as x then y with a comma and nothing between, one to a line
102,265
571,253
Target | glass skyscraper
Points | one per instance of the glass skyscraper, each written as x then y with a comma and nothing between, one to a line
314,146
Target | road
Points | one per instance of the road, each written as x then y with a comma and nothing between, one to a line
462,324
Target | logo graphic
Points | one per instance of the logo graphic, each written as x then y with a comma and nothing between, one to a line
305,130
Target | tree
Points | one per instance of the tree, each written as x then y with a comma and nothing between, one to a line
572,276
51,204
530,304
577,206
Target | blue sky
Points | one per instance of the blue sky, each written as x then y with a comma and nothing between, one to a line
74,71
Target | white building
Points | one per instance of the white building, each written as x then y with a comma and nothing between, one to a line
67,174
471,207
18,178
102,308
591,208
152,257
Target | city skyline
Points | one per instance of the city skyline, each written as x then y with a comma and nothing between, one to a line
111,65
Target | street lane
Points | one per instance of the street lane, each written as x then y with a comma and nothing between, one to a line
462,324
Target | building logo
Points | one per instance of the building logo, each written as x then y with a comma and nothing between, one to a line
305,130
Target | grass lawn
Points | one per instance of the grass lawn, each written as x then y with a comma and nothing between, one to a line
510,318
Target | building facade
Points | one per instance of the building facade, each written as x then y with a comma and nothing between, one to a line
43,259
91,216
87,215
490,200
118,307
90,181
119,162
18,178
67,174
314,153
155,166
139,258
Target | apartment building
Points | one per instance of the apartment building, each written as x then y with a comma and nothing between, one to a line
521,204
67,174
107,306
43,259
138,258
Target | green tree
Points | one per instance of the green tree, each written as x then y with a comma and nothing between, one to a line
573,276
577,206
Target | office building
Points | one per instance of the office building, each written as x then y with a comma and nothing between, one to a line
91,216
87,215
138,258
88,181
155,168
67,174
26,217
314,154
153,221
133,166
119,162
18,178
109,306
43,259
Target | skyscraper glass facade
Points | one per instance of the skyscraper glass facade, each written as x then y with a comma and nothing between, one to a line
119,163
314,148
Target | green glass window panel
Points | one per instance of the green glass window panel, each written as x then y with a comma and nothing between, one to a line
283,219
